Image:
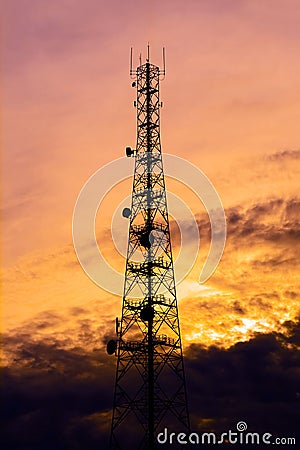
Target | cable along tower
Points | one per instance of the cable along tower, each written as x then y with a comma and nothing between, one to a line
150,391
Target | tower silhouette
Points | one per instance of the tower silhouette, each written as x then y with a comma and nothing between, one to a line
150,391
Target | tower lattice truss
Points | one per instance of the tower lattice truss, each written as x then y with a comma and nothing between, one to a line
150,392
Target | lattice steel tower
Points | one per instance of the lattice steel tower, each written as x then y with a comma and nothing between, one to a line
150,391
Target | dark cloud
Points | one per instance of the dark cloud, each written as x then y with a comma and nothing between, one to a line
284,155
238,308
291,294
46,319
56,398
270,263
292,210
77,311
234,217
255,381
276,220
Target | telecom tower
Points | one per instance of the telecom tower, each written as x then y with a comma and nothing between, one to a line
150,391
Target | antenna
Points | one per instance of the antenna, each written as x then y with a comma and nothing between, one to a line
131,70
163,71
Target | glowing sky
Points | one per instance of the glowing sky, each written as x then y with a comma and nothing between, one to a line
231,96
231,106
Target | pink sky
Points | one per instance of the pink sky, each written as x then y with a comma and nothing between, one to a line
231,106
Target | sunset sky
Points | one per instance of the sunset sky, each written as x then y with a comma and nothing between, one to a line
231,107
